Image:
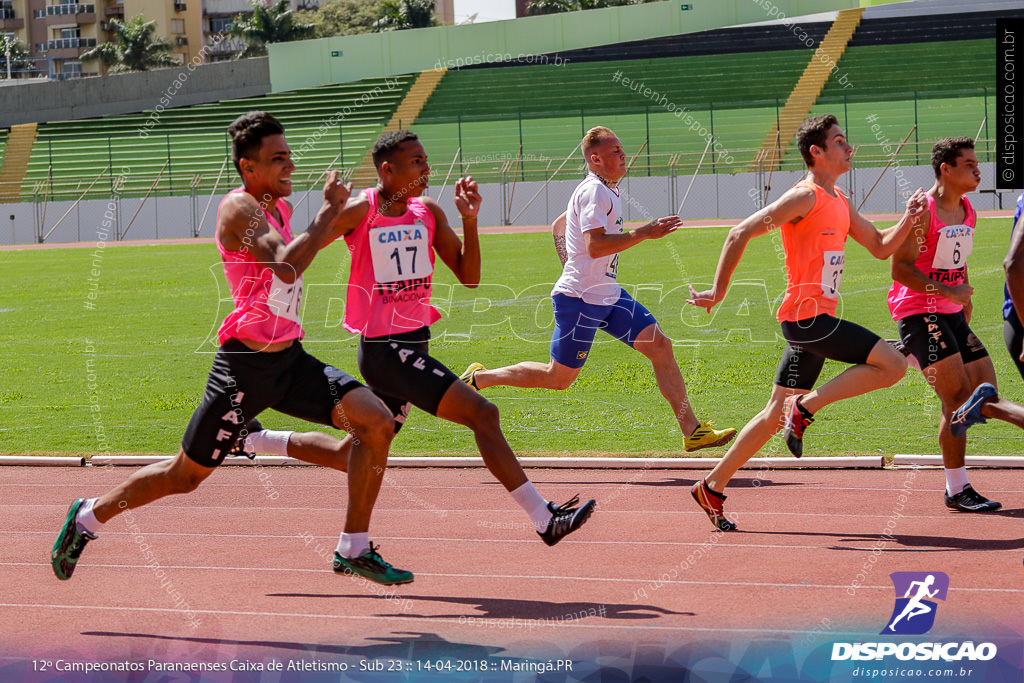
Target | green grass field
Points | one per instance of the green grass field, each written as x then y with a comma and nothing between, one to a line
125,376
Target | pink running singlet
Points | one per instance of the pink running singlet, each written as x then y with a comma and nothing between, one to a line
943,258
815,253
266,309
390,281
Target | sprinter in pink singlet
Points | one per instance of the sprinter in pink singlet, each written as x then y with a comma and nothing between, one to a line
393,233
814,218
261,364
930,301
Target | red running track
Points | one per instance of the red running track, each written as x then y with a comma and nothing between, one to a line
249,561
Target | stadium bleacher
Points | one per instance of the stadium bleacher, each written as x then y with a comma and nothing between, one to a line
72,153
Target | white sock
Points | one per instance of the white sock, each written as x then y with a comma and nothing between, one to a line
267,441
351,546
956,480
534,504
86,520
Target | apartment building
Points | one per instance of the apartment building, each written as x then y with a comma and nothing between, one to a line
57,32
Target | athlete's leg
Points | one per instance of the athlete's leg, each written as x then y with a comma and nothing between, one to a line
181,474
321,449
752,438
530,375
948,378
657,347
463,406
372,427
576,323
883,368
981,371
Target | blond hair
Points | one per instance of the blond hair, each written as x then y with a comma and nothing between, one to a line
594,137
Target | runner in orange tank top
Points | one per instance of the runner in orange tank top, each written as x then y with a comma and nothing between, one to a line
814,218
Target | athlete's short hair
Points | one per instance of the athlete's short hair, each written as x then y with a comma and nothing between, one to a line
814,131
247,133
947,151
594,137
388,143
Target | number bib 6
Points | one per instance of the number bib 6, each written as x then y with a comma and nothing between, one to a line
832,273
953,247
400,252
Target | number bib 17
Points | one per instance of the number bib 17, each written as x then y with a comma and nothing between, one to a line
953,247
832,273
284,300
400,252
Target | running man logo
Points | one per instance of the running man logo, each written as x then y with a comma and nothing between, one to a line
915,608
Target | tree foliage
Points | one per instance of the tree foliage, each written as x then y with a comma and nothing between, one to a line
397,15
134,48
269,23
555,6
21,59
342,17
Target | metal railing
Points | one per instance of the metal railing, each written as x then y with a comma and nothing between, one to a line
57,10
65,43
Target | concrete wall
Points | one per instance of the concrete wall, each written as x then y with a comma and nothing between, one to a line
133,92
713,196
310,63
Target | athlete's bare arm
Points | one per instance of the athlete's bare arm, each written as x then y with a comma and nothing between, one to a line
243,224
790,207
969,306
348,218
905,271
462,256
558,234
1013,264
600,243
883,243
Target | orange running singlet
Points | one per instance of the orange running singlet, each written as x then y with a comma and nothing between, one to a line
815,253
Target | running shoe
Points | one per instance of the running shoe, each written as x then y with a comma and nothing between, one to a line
970,412
796,423
372,566
565,519
69,544
706,436
469,375
251,427
970,500
711,503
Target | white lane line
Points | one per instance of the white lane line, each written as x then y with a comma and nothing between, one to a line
527,577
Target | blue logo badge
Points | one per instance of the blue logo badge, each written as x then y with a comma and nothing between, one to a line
916,595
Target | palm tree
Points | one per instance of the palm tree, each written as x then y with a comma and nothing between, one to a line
397,15
268,23
134,47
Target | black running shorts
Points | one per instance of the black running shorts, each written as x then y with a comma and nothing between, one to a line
1013,335
402,373
243,383
931,337
811,341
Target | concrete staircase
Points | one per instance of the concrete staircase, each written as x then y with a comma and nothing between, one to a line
404,116
14,164
807,89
